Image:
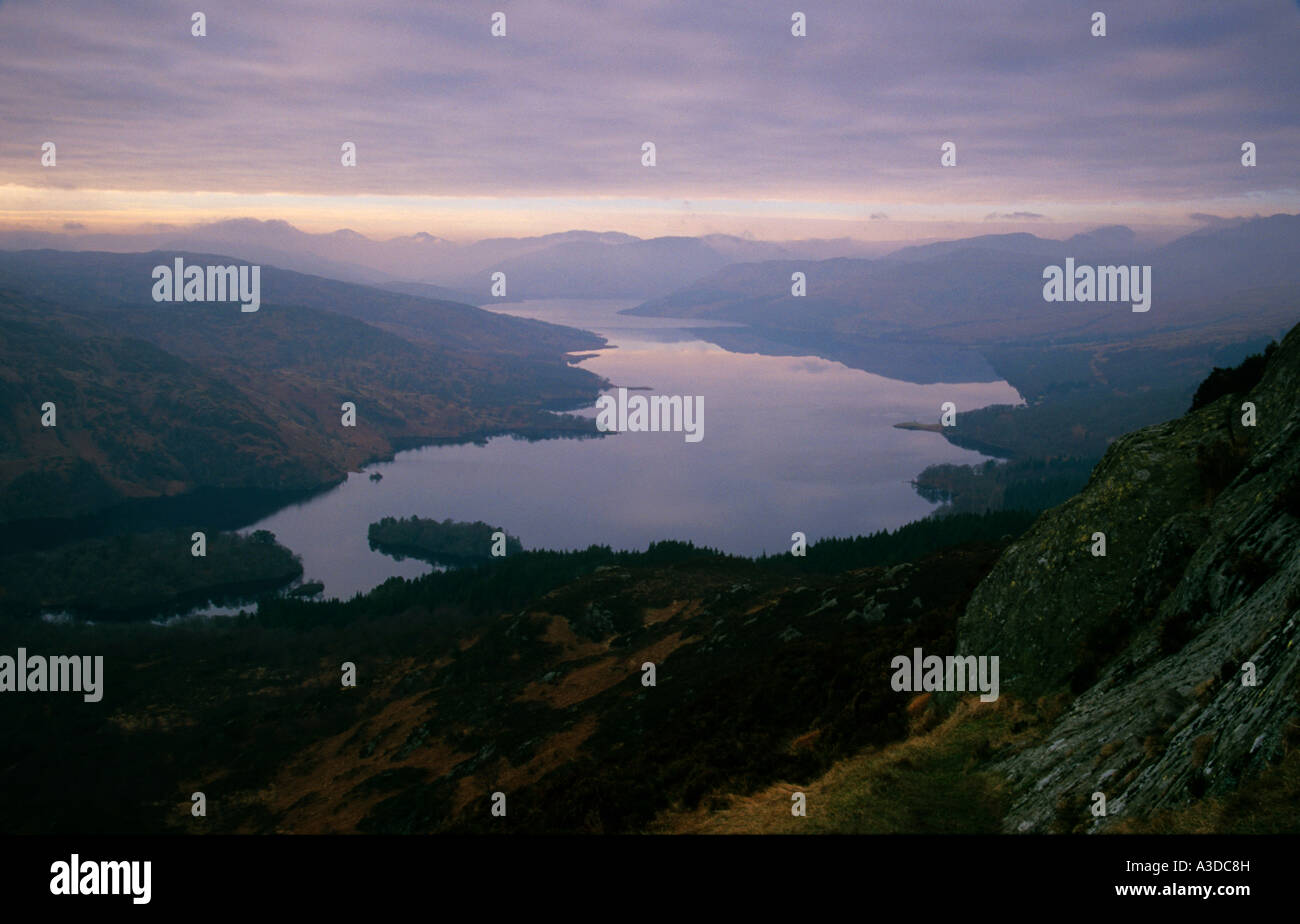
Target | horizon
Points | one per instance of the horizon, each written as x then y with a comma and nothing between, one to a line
877,234
1144,235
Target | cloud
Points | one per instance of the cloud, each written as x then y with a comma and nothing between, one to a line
879,216
73,226
737,107
1014,216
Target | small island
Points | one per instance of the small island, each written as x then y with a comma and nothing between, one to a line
445,542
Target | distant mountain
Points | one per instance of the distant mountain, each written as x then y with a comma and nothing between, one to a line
625,270
578,268
162,399
274,242
1113,239
569,264
973,309
989,289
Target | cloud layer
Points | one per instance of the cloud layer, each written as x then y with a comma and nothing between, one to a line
738,108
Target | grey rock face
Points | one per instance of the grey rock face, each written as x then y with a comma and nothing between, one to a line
1202,574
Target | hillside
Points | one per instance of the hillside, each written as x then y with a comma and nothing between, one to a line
158,399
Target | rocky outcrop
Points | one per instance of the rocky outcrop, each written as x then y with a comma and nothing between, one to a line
1197,597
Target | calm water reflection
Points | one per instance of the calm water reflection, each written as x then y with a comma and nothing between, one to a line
790,443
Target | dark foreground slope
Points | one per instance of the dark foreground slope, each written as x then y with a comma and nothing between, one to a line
523,676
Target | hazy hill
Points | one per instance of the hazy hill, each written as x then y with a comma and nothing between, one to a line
275,242
1115,240
610,266
626,270
972,310
988,290
568,264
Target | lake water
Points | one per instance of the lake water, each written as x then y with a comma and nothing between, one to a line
790,443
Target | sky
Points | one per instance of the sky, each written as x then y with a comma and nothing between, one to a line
757,132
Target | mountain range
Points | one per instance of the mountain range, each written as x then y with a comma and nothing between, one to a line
1241,279
569,264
